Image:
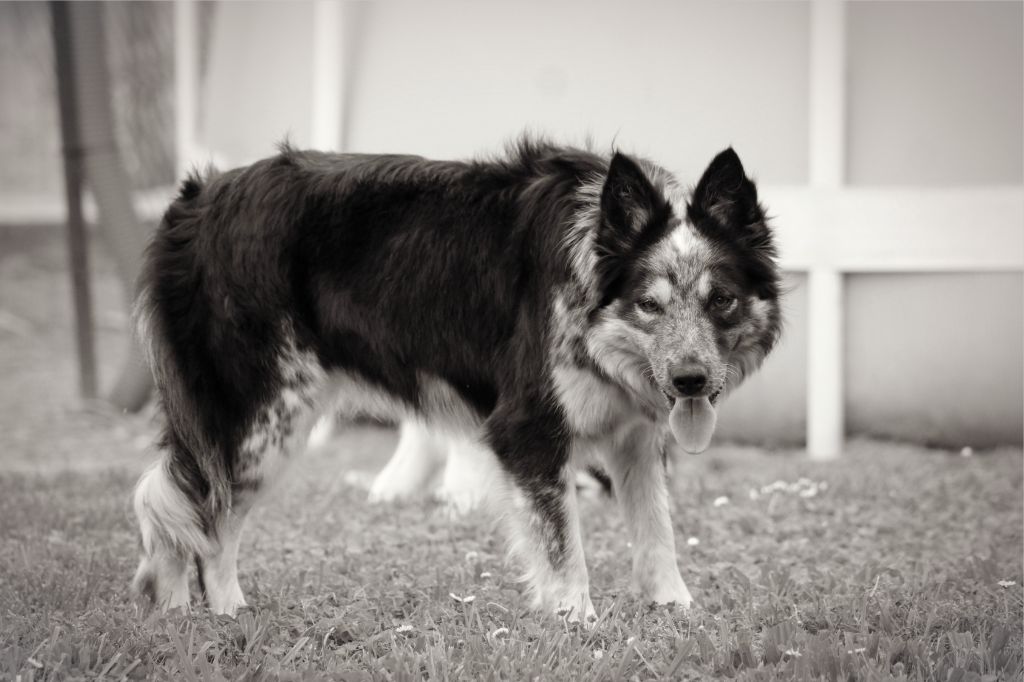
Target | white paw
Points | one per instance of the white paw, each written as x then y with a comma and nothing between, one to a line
229,604
671,594
664,586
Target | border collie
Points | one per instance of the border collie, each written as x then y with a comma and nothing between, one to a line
553,303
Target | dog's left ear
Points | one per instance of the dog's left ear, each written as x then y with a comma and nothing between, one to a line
725,198
725,206
634,215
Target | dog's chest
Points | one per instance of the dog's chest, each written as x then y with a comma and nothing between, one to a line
593,407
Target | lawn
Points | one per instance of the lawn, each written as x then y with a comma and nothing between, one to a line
894,562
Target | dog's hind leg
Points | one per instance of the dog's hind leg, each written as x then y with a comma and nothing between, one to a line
470,473
417,459
637,469
277,435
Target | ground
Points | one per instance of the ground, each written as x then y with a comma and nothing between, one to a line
893,562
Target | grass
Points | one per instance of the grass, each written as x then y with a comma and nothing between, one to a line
894,563
892,569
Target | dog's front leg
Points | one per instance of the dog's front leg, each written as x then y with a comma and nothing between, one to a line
545,532
638,476
542,515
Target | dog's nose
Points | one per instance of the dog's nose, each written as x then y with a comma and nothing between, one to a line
690,379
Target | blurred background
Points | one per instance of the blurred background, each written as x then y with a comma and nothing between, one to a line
886,138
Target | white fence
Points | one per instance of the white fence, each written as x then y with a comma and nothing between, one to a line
828,229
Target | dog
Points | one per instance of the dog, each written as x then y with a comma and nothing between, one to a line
550,303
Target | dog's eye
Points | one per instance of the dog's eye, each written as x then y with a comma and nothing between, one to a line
723,302
648,305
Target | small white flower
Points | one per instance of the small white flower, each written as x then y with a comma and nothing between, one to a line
500,632
468,599
1006,583
598,654
692,542
485,574
630,640
967,451
721,501
471,557
793,653
404,628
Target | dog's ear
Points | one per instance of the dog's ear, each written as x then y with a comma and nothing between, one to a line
724,206
627,201
725,198
634,215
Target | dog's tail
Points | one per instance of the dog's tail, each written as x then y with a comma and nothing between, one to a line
171,310
168,519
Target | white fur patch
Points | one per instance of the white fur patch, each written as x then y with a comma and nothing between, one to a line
445,408
351,397
704,285
661,291
166,516
579,238
686,240
471,472
591,405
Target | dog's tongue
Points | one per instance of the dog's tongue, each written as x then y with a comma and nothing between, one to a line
692,422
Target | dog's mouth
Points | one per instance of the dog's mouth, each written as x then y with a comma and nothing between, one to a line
693,420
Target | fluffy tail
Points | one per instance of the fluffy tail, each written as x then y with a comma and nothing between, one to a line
171,310
167,518
172,536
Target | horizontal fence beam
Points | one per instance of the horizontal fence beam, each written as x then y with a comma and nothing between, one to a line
850,230
47,210
899,229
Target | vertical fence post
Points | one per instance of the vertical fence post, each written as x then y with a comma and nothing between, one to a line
328,84
74,175
825,427
186,84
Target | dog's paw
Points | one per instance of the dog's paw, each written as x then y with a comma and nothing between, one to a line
676,595
664,589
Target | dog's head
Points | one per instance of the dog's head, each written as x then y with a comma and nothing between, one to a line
687,286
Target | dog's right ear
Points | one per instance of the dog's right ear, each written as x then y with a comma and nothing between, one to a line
634,215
